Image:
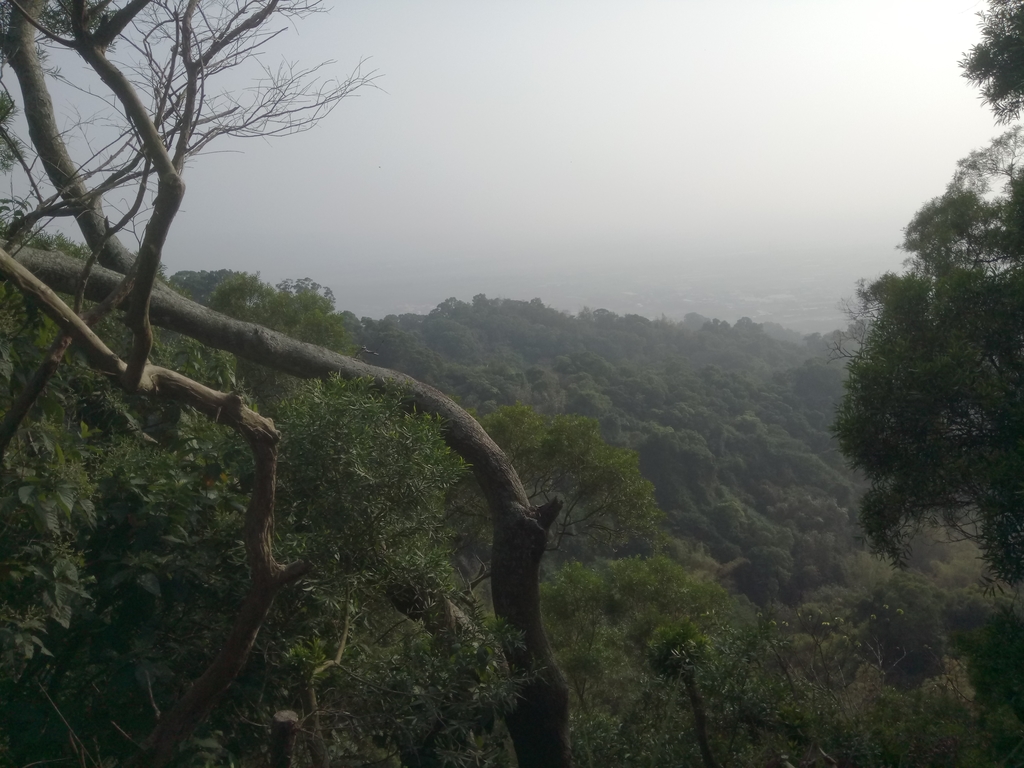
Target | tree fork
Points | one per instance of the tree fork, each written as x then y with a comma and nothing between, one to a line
19,46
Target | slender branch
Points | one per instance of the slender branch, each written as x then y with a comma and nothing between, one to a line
114,25
15,147
100,356
83,280
129,100
51,362
120,293
20,51
231,35
33,389
40,28
192,71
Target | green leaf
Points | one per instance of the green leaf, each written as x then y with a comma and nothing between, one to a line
150,583
66,498
46,515
89,509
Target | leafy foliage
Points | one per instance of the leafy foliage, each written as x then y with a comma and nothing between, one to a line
638,637
301,309
199,286
604,495
996,661
120,564
933,411
996,63
730,424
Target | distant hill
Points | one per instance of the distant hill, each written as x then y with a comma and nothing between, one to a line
731,422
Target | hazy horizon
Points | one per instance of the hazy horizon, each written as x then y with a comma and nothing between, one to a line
658,157
804,302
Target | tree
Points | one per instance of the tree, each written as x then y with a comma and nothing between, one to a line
996,654
934,404
158,62
199,286
303,310
996,64
604,496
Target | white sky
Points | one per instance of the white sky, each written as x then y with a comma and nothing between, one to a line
535,148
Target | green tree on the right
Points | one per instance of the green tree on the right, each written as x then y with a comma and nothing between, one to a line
934,405
996,64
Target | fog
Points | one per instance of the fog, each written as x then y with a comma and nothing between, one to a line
751,158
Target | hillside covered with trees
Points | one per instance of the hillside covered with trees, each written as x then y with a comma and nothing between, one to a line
755,539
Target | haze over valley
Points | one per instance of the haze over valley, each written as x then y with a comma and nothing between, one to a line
808,297
658,158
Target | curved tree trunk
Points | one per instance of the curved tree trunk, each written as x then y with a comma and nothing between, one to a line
540,724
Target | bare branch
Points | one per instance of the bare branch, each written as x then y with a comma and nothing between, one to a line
193,70
233,33
37,107
114,25
33,389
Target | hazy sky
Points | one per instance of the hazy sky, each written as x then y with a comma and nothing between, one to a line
600,153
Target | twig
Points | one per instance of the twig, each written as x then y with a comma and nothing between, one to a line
121,731
76,743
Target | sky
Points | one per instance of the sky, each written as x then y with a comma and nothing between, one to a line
744,158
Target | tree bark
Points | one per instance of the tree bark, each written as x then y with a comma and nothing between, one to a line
700,718
539,726
283,729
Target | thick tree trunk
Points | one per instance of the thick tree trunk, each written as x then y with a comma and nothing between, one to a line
540,724
700,718
19,45
284,727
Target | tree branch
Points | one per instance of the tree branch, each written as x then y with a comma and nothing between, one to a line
267,576
540,724
33,389
28,16
114,25
19,48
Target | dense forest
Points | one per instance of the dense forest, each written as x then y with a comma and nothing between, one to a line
240,526
754,548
